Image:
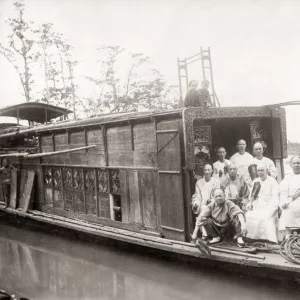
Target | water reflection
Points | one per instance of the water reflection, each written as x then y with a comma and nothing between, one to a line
41,266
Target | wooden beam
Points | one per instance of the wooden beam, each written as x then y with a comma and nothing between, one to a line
28,155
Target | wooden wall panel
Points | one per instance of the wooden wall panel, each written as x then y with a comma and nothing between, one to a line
147,194
134,204
47,146
91,207
104,209
79,202
61,143
77,139
144,154
58,200
119,146
124,196
48,197
68,200
96,156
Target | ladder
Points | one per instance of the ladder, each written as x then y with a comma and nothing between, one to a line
207,73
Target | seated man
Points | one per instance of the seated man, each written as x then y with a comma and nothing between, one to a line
221,166
236,189
289,193
242,160
204,95
259,158
218,217
262,214
192,97
203,190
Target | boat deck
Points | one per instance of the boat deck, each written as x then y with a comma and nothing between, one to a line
270,261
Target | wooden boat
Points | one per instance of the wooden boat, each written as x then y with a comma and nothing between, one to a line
130,176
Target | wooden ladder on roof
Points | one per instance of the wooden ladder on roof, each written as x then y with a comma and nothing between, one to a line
207,73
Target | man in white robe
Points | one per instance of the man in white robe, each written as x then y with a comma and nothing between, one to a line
262,214
221,166
259,158
203,189
289,191
242,160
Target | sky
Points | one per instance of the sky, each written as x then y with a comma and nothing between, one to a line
255,45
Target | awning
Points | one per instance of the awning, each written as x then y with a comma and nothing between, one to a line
34,112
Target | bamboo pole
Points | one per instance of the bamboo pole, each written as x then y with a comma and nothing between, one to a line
28,155
221,250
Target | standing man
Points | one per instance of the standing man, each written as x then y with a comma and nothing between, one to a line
5,172
289,195
259,158
242,160
236,189
218,217
192,97
221,166
204,95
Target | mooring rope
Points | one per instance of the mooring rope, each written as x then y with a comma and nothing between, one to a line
290,249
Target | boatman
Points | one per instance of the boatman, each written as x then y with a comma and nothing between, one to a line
5,173
262,214
221,166
204,95
192,97
242,160
289,193
235,188
259,158
219,217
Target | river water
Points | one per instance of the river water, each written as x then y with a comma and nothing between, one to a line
45,266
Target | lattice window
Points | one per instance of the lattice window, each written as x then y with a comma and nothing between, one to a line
68,182
89,179
48,177
202,135
77,178
103,181
114,182
57,178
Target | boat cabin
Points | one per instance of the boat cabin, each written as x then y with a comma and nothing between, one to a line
137,171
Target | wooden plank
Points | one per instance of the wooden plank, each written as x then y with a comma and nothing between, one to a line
27,182
147,194
119,146
124,196
135,208
96,156
14,189
144,154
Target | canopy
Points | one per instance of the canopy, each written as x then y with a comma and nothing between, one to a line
34,112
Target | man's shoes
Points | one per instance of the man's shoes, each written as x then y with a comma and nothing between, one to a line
205,238
241,242
215,240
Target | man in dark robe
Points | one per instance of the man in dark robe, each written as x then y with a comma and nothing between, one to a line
219,217
236,189
192,97
204,95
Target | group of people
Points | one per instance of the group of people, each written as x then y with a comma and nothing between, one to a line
198,97
241,196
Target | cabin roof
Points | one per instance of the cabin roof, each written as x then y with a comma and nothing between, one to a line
34,111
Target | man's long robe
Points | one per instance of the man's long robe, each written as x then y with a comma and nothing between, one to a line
236,190
203,190
290,216
261,221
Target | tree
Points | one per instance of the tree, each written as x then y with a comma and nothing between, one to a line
59,88
127,82
20,51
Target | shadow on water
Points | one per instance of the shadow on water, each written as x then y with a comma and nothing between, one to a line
40,265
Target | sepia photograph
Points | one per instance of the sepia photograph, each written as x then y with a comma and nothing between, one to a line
149,149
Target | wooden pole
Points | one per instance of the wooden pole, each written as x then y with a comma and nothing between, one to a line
28,155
